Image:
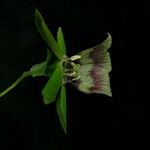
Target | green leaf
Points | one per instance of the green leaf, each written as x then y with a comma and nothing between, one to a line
53,85
61,41
61,108
40,69
47,35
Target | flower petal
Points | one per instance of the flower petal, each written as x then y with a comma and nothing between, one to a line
98,54
95,67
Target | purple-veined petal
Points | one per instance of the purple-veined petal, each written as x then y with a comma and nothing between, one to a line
95,67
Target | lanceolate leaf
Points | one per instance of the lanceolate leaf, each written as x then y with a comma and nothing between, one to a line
61,108
61,41
53,85
47,35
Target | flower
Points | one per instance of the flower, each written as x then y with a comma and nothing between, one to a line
88,70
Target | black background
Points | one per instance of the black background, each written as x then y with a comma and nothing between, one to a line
26,123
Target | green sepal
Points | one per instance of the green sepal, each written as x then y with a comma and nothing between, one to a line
61,108
47,35
53,85
61,41
40,69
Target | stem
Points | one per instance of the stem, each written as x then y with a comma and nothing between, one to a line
24,75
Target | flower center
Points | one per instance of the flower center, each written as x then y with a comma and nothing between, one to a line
71,68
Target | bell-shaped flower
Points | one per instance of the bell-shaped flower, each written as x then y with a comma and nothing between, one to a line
95,65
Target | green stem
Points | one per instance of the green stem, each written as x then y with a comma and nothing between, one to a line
24,75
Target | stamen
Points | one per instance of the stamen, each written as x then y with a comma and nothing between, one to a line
72,64
72,74
77,78
75,57
71,69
